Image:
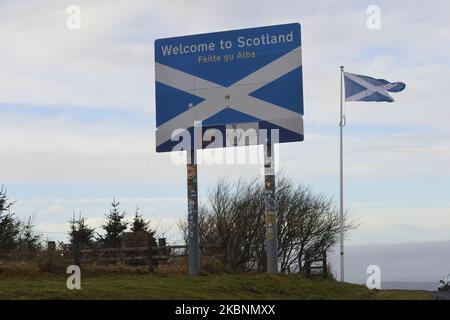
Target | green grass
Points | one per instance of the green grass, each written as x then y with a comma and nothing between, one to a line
143,286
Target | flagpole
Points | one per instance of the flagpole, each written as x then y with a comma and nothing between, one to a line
341,126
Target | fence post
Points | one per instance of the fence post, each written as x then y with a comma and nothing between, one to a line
162,246
150,254
51,246
76,254
307,265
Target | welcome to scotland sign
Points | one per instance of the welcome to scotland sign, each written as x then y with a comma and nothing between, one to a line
241,79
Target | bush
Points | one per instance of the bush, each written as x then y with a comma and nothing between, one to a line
213,265
232,224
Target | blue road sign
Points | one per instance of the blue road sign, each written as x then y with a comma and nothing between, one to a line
209,85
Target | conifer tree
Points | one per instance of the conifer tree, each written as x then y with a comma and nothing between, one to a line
10,226
139,223
114,227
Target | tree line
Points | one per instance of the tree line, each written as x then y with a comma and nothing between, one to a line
18,235
232,224
81,234
15,234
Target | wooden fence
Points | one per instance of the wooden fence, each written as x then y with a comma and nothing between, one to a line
316,266
145,255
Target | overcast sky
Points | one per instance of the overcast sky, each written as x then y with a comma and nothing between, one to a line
77,111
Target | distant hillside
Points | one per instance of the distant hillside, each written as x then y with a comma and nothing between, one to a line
420,264
427,286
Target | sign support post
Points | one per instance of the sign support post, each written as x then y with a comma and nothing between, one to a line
193,233
271,209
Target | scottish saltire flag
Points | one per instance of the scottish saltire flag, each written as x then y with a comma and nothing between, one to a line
364,88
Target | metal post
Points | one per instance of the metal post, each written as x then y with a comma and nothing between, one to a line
271,209
341,126
193,234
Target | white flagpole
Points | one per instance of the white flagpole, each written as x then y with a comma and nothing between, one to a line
341,125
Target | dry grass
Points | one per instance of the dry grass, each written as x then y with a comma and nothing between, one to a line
22,280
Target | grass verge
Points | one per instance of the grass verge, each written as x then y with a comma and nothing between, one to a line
144,286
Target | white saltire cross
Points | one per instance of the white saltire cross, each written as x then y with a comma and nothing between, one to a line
217,97
370,88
